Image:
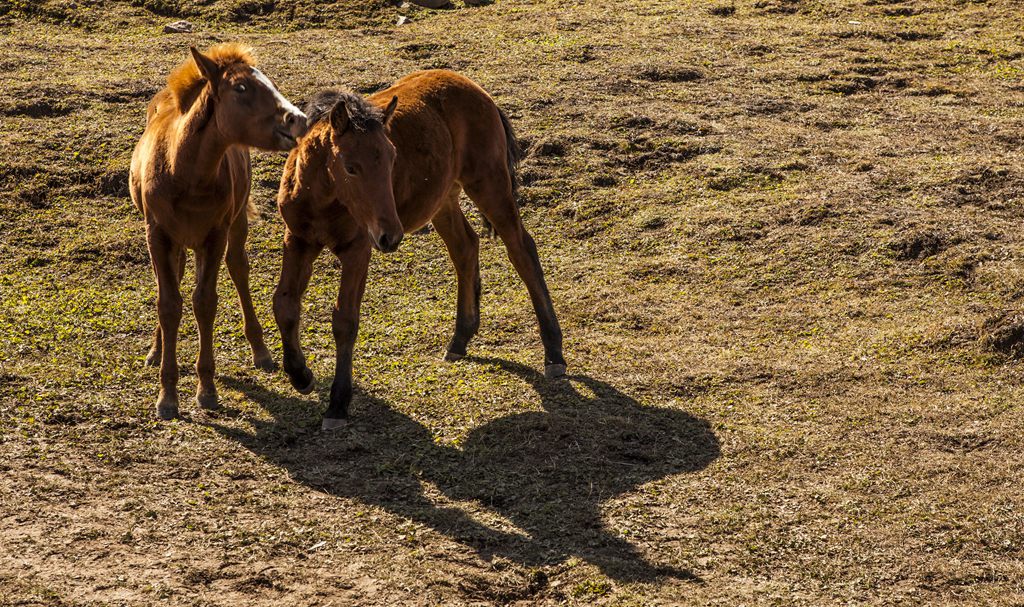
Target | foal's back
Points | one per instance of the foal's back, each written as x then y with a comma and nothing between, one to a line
446,130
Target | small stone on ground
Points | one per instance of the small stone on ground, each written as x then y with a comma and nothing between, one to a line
178,27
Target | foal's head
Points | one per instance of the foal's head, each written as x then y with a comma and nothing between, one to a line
247,108
361,163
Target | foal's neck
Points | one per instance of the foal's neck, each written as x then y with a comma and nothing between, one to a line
200,147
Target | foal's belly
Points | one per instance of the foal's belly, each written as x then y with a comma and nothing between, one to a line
415,216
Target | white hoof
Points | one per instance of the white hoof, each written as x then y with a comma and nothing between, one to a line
330,424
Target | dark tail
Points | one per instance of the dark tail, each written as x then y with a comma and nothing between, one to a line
512,156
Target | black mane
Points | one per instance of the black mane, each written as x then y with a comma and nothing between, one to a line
363,116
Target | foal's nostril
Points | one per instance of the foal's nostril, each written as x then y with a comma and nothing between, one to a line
388,243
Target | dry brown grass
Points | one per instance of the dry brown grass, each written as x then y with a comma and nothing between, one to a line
784,244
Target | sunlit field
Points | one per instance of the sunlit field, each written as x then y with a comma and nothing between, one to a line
783,239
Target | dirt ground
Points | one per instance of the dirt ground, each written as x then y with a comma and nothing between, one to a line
783,238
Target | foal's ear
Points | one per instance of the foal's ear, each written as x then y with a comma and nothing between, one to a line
207,67
390,110
339,117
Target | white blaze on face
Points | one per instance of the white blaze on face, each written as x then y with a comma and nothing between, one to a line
283,104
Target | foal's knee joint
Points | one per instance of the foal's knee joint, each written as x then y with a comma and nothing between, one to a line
204,301
169,308
344,329
285,311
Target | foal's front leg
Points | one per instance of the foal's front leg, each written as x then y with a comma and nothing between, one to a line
355,260
164,252
154,355
296,270
204,302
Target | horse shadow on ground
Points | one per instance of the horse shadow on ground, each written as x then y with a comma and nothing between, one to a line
548,472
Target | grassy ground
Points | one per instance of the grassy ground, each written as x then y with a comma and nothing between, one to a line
783,239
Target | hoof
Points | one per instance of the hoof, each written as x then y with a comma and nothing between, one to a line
309,388
554,371
153,358
305,383
207,400
166,409
331,423
265,363
453,356
306,389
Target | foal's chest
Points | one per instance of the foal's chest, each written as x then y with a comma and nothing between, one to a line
191,217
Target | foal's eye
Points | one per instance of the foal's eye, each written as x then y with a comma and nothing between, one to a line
351,169
240,88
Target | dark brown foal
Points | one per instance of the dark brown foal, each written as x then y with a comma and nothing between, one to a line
190,177
366,173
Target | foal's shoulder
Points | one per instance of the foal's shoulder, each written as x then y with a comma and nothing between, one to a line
161,103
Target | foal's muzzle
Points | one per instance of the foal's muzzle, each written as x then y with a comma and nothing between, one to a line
296,123
388,243
292,126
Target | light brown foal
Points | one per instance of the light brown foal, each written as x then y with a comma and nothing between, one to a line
366,173
190,177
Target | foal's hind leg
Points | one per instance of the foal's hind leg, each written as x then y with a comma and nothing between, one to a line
493,196
464,248
153,357
238,268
